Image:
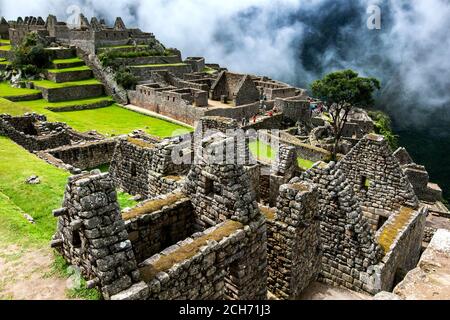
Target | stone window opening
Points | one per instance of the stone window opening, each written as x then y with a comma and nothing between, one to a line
133,170
209,187
76,239
365,183
381,221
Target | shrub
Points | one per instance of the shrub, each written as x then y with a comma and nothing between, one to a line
30,57
126,79
383,126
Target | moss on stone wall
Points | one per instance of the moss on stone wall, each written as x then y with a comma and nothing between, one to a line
153,206
188,251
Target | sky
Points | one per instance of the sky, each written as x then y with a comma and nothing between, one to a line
295,41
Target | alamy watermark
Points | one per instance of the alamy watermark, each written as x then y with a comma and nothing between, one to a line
374,19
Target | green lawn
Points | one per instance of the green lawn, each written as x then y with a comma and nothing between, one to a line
4,41
305,164
7,91
262,151
110,121
160,65
52,85
17,197
16,165
12,108
67,61
82,68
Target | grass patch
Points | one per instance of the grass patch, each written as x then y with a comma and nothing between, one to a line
125,201
153,206
5,41
53,85
262,151
84,293
16,165
67,61
188,251
110,121
62,269
82,68
12,108
305,164
160,65
209,70
6,48
7,91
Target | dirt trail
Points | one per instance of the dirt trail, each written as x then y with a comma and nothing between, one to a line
24,275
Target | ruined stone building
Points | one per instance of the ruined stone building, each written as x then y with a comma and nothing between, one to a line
88,35
204,235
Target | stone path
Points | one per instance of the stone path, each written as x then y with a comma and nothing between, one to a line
24,275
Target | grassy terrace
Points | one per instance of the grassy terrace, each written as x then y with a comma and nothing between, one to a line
110,121
124,47
7,91
5,48
42,103
264,152
82,68
4,41
52,85
17,197
67,61
160,65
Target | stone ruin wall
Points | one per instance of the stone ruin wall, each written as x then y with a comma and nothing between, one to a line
161,103
92,235
293,245
405,251
230,267
23,132
130,166
349,247
87,155
377,179
145,168
165,221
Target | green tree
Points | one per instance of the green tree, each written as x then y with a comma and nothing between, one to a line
30,56
341,91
